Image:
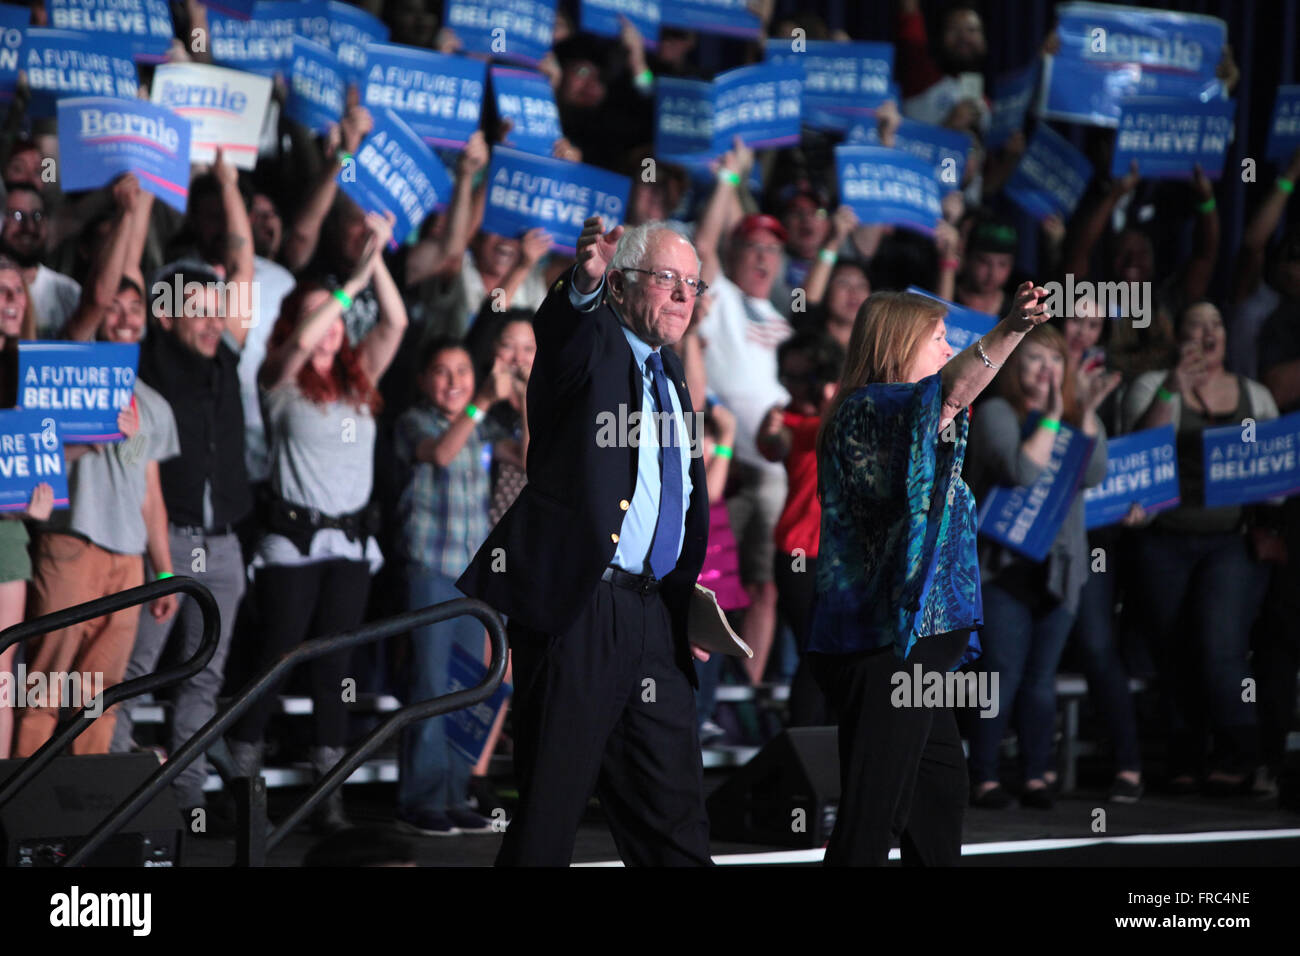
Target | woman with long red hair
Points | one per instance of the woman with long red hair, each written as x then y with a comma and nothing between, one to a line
319,402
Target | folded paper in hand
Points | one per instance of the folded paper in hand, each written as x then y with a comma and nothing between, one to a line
707,626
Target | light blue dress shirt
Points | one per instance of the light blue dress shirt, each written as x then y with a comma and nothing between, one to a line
637,533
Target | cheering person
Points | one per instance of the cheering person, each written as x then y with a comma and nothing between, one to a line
897,573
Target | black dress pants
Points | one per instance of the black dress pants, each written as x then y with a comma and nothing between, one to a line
605,708
902,769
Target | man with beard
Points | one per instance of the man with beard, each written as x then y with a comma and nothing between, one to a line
54,295
944,86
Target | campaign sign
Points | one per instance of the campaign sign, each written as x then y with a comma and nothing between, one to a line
888,186
144,25
1168,137
226,109
962,325
1026,519
944,149
468,728
760,104
83,385
527,100
240,9
396,172
514,29
31,453
601,17
63,63
438,96
683,120
262,45
101,137
1284,128
726,17
843,82
1141,469
1109,53
351,31
13,23
1051,177
317,88
1012,94
1244,464
526,192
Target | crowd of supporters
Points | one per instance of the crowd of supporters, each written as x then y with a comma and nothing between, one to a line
337,449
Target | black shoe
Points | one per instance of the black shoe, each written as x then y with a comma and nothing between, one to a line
1123,791
467,821
1039,798
483,798
428,823
994,799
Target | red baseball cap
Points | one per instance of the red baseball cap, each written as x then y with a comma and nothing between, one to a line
759,222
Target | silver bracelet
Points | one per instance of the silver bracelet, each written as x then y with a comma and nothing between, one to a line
979,348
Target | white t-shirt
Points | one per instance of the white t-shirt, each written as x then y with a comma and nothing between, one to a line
466,294
54,297
741,335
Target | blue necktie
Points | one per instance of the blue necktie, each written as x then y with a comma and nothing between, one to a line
663,552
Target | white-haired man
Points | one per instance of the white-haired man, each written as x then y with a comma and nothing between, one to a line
595,562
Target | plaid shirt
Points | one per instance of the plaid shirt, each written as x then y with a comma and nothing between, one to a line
443,511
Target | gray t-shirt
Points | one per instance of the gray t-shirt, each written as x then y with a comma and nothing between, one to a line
322,457
54,297
107,486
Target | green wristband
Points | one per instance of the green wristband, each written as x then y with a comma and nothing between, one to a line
474,413
344,299
1285,185
727,176
1164,394
1051,424
722,451
1208,206
645,77
164,575
828,256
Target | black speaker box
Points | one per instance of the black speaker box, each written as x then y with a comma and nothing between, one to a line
786,796
50,817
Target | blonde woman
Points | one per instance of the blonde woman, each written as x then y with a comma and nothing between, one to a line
897,573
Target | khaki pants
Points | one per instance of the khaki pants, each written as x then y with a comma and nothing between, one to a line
70,571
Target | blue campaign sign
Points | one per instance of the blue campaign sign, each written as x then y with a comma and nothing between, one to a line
317,86
843,82
760,104
1168,137
351,30
1141,469
962,325
396,172
732,18
527,100
102,137
239,9
683,120
520,30
944,149
82,385
1027,519
601,17
888,186
1244,464
31,453
1051,177
144,25
1012,95
13,23
1284,128
63,63
525,192
264,44
1109,53
438,96
468,728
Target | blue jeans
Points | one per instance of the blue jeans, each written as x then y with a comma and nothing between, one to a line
1023,648
434,777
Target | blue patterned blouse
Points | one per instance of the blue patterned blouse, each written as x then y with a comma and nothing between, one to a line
898,561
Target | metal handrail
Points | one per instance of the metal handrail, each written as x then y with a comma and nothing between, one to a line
270,677
57,620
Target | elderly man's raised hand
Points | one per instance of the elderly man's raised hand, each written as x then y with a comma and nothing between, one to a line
595,252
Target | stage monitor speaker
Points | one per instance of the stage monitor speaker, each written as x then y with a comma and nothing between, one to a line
786,796
50,817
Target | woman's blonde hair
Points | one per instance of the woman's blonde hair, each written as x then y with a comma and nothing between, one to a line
886,337
28,330
1008,383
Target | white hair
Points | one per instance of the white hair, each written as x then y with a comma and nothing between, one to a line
634,245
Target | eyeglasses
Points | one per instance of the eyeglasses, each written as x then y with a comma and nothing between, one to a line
668,280
35,217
